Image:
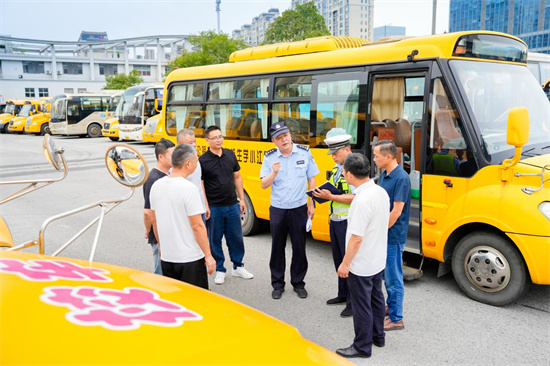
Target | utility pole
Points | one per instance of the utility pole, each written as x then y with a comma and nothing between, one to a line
218,2
434,14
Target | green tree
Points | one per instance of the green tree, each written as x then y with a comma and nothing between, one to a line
297,25
209,48
123,81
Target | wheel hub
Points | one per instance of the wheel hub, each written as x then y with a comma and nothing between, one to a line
487,268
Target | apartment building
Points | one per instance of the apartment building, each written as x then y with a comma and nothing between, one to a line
253,34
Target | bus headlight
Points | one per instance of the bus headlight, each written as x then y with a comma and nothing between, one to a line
544,207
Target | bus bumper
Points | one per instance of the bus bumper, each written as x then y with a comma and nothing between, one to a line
109,132
131,135
58,130
536,253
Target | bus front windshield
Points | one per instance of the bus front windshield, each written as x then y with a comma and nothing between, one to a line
26,110
12,108
491,90
128,110
59,110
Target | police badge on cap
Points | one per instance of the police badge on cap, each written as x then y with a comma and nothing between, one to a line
337,138
278,128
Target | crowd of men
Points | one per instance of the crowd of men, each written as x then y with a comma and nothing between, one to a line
368,222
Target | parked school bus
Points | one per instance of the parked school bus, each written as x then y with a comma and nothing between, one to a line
121,312
145,102
153,130
12,109
38,123
110,126
80,114
17,124
479,167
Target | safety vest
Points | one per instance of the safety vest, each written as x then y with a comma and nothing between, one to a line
338,208
444,164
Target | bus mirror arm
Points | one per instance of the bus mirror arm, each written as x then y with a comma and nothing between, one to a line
517,135
411,56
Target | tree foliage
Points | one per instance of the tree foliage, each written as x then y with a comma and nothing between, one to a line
209,48
123,81
297,25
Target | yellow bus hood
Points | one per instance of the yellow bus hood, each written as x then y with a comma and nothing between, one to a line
60,311
537,161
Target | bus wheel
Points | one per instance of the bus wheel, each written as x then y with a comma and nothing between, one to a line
249,222
94,130
489,269
44,129
114,138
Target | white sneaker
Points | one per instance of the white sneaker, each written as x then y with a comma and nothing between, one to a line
242,272
220,278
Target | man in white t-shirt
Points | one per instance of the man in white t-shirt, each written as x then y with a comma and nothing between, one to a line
177,222
187,136
365,259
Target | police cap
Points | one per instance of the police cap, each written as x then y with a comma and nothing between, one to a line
337,138
278,128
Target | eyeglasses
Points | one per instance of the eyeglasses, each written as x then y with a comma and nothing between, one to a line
215,138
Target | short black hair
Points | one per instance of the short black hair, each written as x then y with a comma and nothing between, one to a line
210,129
181,154
358,165
162,146
388,147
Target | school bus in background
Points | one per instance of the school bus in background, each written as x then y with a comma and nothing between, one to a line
13,107
146,102
17,124
154,128
80,114
38,123
110,126
479,167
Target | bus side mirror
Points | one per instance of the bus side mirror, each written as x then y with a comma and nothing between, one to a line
517,134
158,105
126,165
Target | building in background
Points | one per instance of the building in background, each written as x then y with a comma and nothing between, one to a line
254,33
39,68
352,18
526,19
388,31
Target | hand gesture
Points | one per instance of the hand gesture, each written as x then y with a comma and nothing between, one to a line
276,167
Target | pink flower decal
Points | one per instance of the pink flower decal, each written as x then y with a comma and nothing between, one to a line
113,309
52,270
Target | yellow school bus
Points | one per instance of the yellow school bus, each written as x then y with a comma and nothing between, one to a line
481,196
153,129
12,109
17,124
38,123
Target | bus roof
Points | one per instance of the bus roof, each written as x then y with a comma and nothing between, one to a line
438,46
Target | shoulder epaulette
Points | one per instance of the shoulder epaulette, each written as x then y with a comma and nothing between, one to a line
303,147
269,152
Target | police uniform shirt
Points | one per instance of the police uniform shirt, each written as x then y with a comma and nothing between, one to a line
288,190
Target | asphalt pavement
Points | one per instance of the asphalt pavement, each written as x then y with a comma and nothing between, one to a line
442,325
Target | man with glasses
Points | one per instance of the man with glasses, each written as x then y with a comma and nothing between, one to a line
287,169
221,178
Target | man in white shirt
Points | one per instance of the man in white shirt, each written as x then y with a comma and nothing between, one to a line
187,136
365,259
177,222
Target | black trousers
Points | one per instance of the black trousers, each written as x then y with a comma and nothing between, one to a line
368,304
338,243
284,222
193,273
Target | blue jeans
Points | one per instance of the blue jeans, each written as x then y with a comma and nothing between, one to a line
156,258
226,221
393,278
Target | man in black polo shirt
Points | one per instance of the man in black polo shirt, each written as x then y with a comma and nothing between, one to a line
221,177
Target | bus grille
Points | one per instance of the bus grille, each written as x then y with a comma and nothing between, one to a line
106,126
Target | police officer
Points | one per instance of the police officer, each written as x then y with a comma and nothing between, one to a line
287,169
338,142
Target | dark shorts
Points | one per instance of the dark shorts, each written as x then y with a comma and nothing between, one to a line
193,273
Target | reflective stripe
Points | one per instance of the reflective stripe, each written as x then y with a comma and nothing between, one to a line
338,217
337,208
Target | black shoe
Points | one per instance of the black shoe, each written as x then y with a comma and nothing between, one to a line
302,293
346,313
350,352
277,293
378,344
336,301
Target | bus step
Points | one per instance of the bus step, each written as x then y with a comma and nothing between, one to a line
411,274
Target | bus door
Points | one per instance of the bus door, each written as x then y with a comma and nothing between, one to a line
448,162
396,107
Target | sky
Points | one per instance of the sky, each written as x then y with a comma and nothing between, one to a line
63,20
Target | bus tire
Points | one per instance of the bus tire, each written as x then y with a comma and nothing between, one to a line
114,138
44,129
489,269
94,130
250,223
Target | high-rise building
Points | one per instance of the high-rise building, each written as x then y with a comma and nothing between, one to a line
526,19
388,31
254,33
352,18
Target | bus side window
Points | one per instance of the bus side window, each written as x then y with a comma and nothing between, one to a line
448,152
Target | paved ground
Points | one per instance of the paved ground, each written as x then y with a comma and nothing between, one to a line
442,325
